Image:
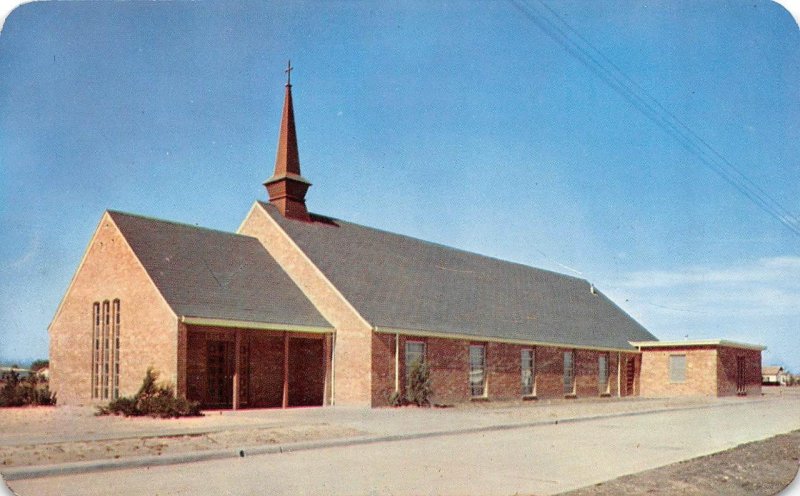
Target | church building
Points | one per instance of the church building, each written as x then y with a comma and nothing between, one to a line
300,309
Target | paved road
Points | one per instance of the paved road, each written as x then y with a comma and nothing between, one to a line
534,460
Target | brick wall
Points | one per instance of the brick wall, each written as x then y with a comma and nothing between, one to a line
727,370
352,376
701,372
448,360
383,368
148,327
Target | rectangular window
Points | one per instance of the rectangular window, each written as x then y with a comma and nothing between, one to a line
415,353
477,370
569,372
677,368
602,374
527,367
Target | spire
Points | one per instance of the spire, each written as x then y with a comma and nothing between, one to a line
287,188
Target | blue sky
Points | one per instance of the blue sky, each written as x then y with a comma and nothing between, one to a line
457,122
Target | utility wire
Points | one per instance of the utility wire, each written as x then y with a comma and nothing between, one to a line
577,46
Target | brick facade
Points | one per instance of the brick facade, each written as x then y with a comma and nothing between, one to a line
727,370
355,365
448,360
148,327
711,370
352,374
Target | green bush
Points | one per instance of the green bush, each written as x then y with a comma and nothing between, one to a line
32,390
419,389
154,400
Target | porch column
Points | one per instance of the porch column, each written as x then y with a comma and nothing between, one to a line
285,370
326,367
237,354
619,375
397,362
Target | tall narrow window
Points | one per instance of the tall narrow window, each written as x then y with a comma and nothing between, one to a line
569,372
477,370
115,362
527,371
415,353
96,350
602,373
677,368
105,350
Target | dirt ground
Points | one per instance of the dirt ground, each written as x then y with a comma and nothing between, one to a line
760,468
48,453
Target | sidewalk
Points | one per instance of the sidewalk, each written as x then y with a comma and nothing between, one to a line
359,426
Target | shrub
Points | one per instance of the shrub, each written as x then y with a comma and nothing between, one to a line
419,389
32,390
396,399
152,399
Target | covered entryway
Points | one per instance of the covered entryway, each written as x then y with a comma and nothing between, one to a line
239,368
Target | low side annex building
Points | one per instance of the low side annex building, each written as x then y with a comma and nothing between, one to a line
298,309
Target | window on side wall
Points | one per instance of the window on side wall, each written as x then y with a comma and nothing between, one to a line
602,375
569,372
415,353
677,369
527,365
477,370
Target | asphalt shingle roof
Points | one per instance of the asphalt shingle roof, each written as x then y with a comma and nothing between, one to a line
214,274
396,281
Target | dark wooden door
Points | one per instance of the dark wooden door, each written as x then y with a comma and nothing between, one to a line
630,376
741,385
219,373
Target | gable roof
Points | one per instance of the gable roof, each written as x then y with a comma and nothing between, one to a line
771,370
216,275
399,282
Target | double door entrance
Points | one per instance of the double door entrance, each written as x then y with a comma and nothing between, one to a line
220,371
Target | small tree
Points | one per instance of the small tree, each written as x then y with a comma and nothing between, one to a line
418,388
29,391
152,399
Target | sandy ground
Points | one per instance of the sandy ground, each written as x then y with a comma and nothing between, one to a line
38,454
760,468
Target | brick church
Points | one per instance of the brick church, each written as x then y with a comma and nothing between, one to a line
299,309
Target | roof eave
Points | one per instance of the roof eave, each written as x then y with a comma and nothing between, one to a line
244,324
697,343
490,339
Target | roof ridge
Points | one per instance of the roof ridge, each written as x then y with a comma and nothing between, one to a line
433,243
175,223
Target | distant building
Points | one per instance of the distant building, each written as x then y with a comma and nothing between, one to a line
301,309
774,375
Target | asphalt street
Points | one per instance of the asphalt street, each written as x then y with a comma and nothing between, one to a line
545,459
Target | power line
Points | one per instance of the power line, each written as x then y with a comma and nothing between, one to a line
563,34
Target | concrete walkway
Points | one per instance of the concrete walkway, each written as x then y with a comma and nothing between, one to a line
457,451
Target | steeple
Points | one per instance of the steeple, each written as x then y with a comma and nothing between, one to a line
287,188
